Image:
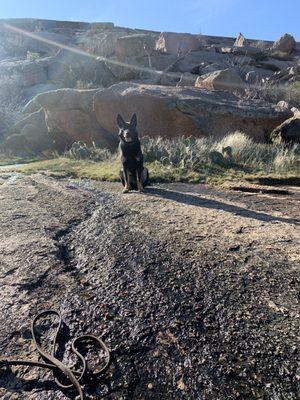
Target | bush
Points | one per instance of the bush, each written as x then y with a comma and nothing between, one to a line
80,151
236,151
273,93
195,153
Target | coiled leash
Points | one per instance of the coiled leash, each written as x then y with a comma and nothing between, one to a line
74,377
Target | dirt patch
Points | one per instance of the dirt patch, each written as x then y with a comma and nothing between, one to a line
194,289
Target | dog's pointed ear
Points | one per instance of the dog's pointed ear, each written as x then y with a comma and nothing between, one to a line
120,121
133,121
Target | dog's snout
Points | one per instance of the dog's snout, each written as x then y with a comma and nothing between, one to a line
127,135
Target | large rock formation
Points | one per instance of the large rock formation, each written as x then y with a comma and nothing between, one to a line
99,55
30,135
69,117
285,44
169,111
64,116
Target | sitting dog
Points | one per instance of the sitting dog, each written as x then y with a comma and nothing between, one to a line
133,174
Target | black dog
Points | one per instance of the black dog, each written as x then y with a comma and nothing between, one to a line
133,174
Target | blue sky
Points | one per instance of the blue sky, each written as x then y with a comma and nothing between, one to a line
262,19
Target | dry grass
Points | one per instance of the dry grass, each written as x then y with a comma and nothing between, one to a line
179,160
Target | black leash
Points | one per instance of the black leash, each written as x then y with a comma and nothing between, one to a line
75,377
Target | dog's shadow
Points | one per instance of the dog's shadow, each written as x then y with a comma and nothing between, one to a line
196,200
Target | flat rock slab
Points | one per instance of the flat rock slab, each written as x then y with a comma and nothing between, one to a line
194,289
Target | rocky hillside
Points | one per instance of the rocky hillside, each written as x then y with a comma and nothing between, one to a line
75,77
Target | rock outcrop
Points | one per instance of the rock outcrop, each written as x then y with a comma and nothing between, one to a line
240,41
288,132
30,135
169,112
57,55
61,117
69,118
135,45
177,43
285,44
227,79
29,72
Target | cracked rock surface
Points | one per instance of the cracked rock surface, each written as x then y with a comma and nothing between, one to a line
195,290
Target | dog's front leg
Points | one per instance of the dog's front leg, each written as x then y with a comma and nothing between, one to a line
126,178
139,181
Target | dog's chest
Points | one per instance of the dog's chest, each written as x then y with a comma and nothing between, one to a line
130,150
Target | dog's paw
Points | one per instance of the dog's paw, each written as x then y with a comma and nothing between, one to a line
125,190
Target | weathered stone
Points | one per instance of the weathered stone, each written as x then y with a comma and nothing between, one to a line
283,105
210,68
100,43
295,70
34,90
70,118
187,79
227,79
130,68
197,58
30,72
169,79
30,135
177,43
276,65
295,111
159,62
174,111
240,40
287,132
15,43
250,51
69,67
135,45
285,44
280,55
224,50
45,42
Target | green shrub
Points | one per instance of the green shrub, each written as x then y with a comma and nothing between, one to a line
80,151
